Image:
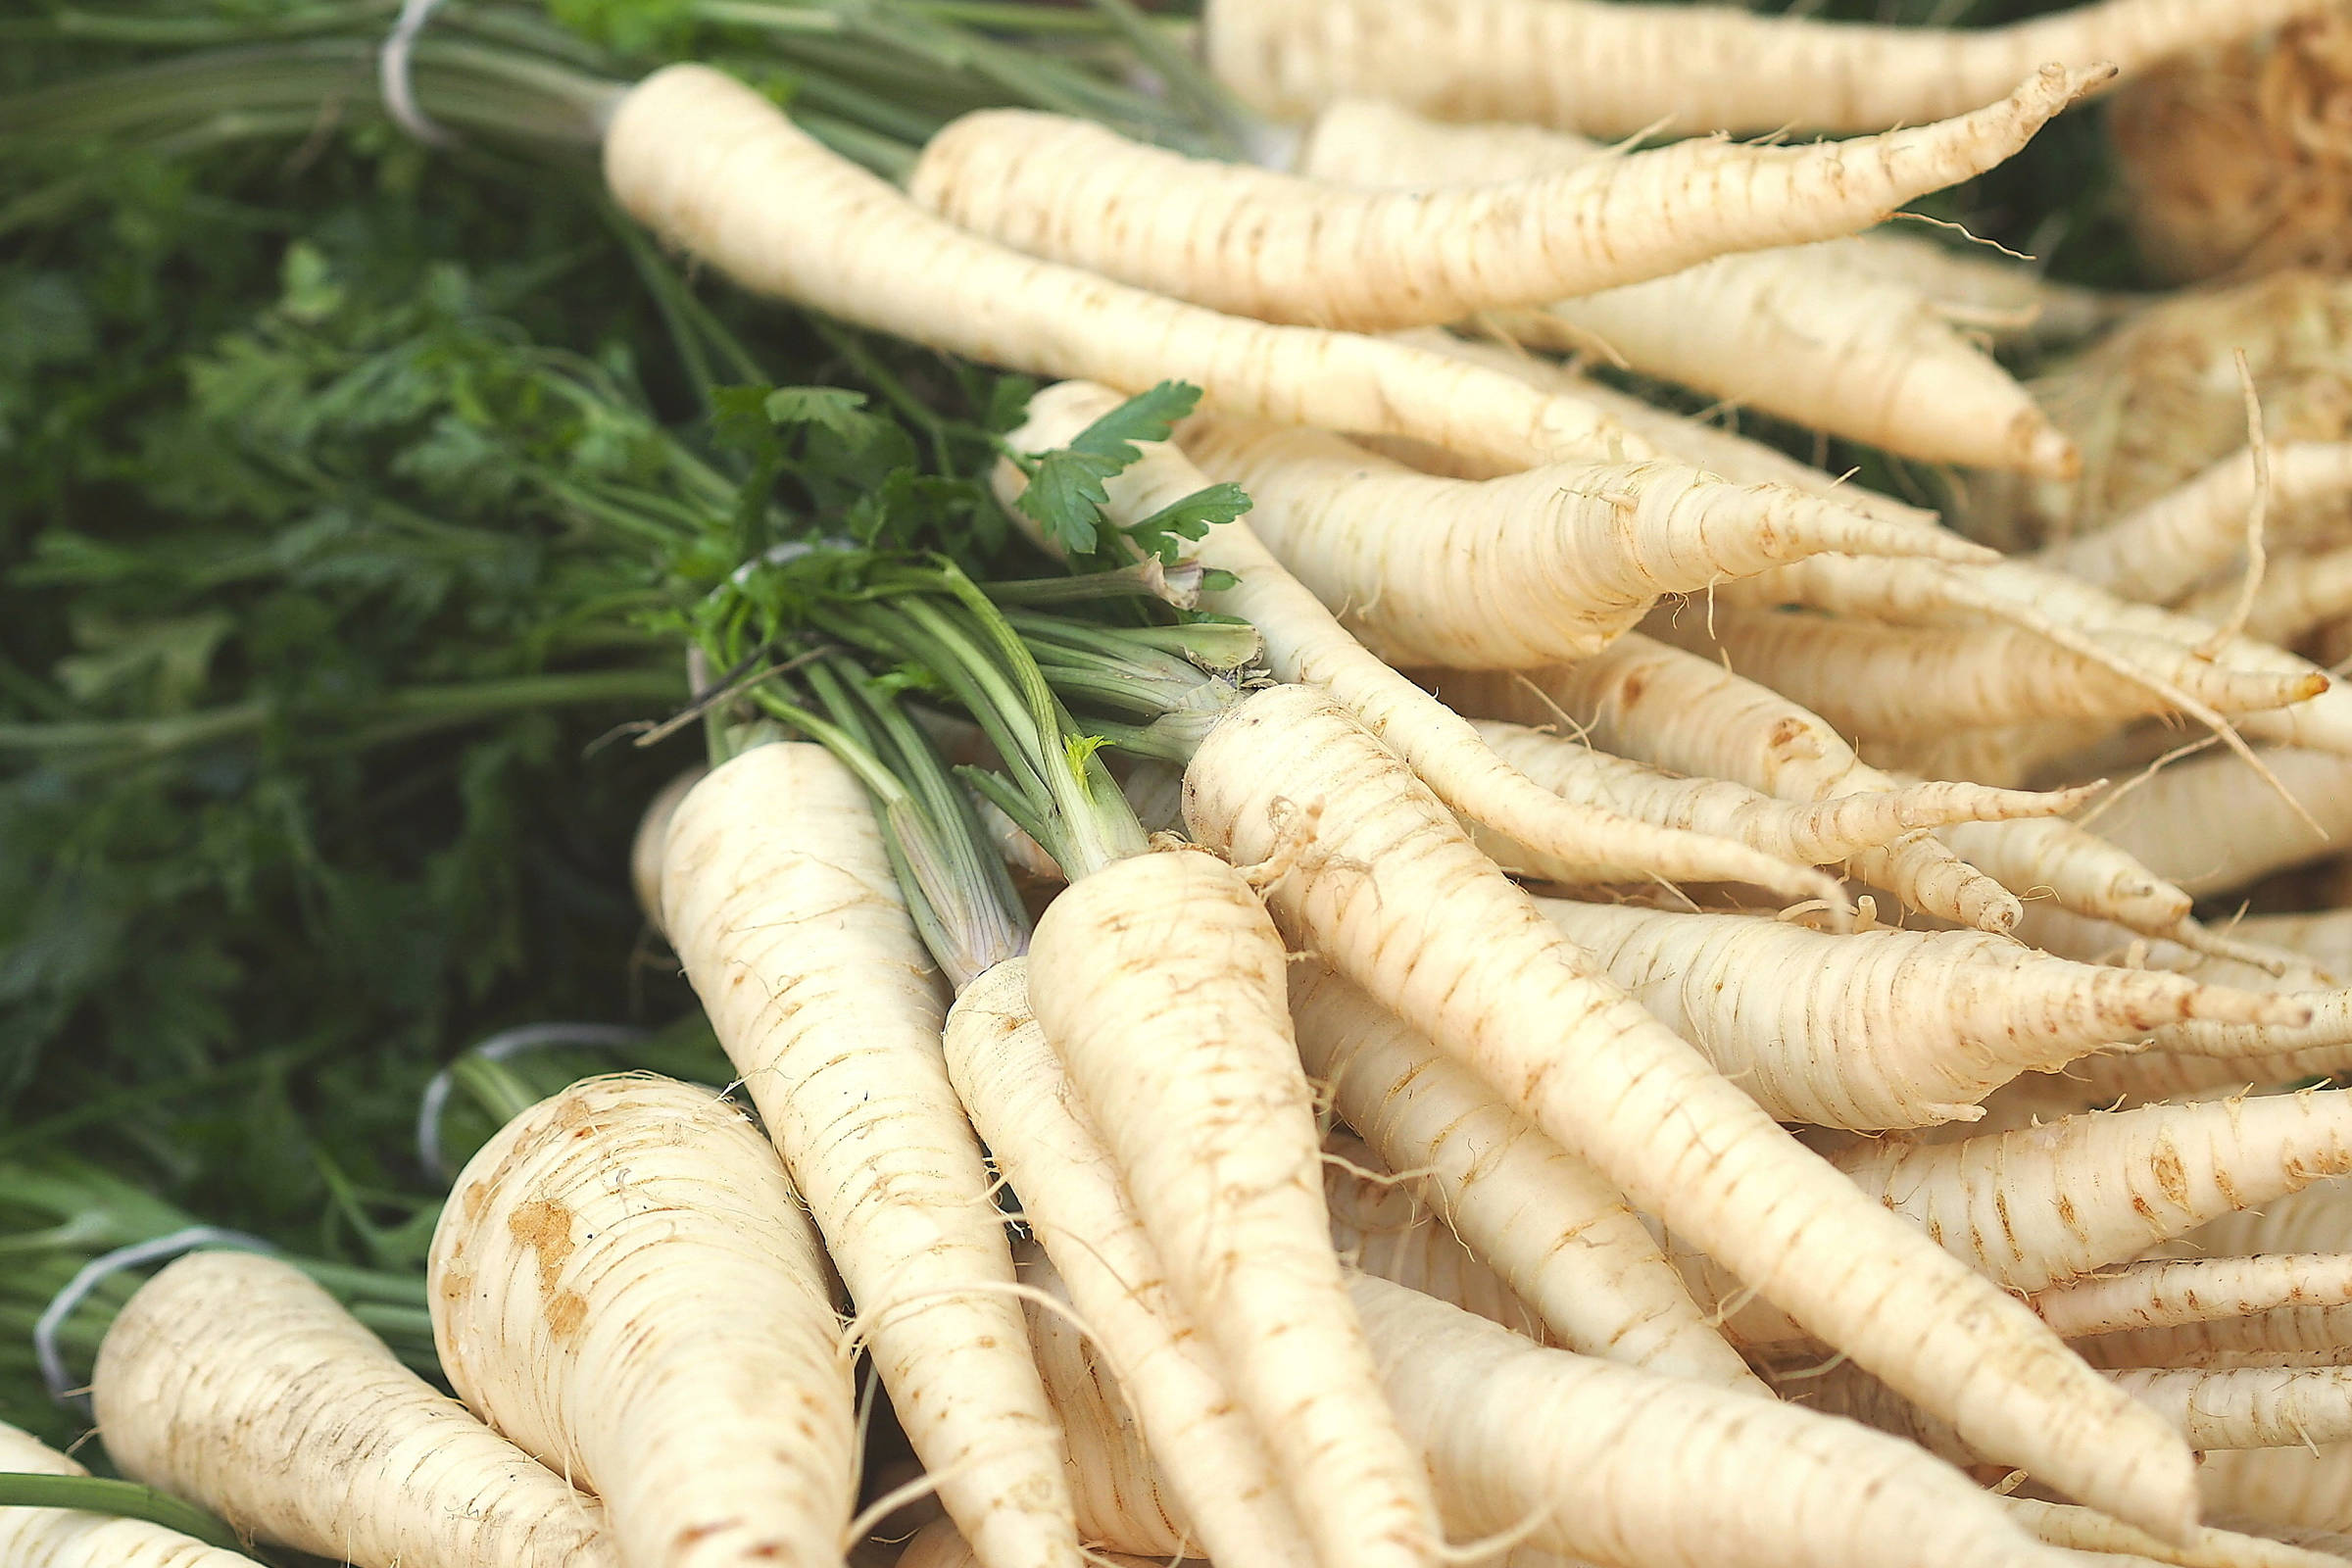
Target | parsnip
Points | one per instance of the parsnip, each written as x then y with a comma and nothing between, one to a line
2300,593
625,1284
66,1538
1380,1227
1615,70
1373,876
2211,825
1285,248
2084,1529
2163,1292
2247,1407
2048,1203
233,1380
2273,1487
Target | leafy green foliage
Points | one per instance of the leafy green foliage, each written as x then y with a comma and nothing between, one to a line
1065,495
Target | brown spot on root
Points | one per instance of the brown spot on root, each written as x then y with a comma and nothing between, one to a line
545,1227
2171,1178
567,1315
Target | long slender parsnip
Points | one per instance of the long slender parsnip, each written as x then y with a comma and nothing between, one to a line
1305,643
2048,1203
234,1380
1877,1029
780,899
1810,333
1023,1103
1286,248
1375,878
1641,699
1616,70
715,169
624,1282
66,1538
1527,570
1160,981
1561,1236
2166,1292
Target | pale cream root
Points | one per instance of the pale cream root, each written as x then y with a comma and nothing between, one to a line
1871,678
1875,1029
1286,248
652,836
61,1538
1834,829
234,1381
1071,1197
1305,643
2272,1486
1614,70
1623,1466
2322,936
2300,593
2163,548
1521,571
2164,1293
2052,860
780,899
2286,1338
1672,709
1376,879
2046,1203
2247,1407
1560,1236
1160,982
2210,823
625,1283
712,167
2086,1530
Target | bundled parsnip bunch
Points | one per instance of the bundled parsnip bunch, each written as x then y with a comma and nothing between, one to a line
1517,905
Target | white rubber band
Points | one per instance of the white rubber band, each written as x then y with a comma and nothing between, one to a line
91,1275
498,1048
393,80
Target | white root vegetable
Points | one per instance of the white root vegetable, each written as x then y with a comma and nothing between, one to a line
2163,548
2078,870
2211,825
1285,248
2247,1407
1925,681
66,1538
1160,982
1812,332
1616,70
2292,1337
937,1546
1875,1029
2086,1530
782,901
2322,936
1980,287
1830,830
646,846
2046,1203
1380,1226
624,1282
1376,879
234,1381
2317,1220
1562,1237
2298,596
2283,1486
688,143
1622,1466
1657,705
1526,569
2164,1293
1024,1105
1306,644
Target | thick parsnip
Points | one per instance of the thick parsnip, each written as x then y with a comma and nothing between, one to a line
66,1538
234,1380
625,1284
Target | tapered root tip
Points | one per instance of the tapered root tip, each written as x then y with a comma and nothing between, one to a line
2054,86
2047,453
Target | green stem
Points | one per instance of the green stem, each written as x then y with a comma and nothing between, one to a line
125,1499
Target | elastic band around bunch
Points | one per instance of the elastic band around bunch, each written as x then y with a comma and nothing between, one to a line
52,1321
393,78
498,1048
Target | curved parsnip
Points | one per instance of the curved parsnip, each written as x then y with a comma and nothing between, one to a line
234,1380
1160,981
2046,1203
1637,698
1305,643
1875,1029
1562,1237
1526,569
1809,332
1284,248
66,1538
715,169
1834,829
1616,70
780,899
1073,1199
1373,876
625,1284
